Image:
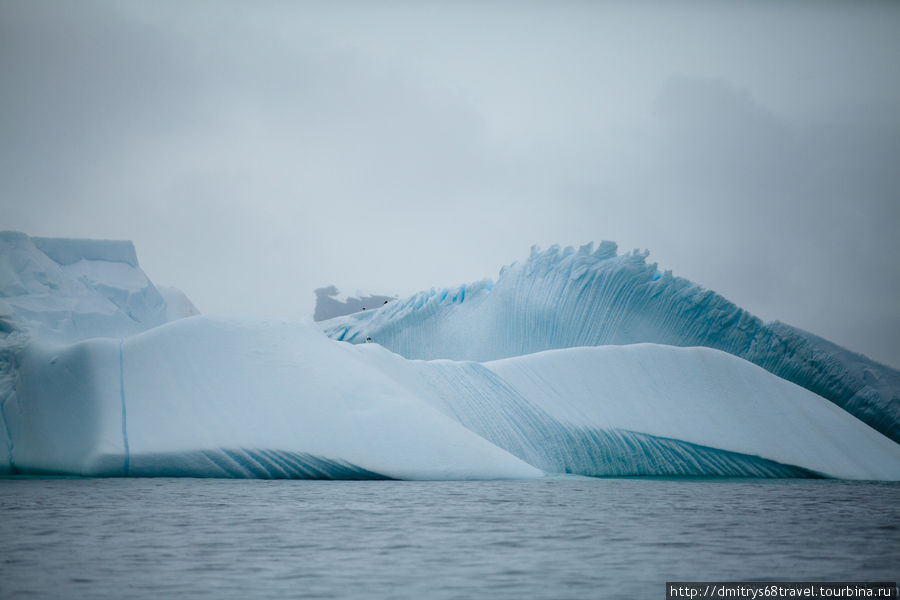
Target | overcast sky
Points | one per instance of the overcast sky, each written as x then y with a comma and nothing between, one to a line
254,151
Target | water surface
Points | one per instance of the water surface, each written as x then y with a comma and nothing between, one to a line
552,538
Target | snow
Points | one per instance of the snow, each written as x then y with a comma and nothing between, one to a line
104,374
564,298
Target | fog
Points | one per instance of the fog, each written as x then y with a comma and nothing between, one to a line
256,151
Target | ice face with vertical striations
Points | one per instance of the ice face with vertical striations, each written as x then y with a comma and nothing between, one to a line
563,298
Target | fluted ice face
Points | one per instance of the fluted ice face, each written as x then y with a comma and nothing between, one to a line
566,297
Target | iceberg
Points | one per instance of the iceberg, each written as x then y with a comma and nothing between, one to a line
66,289
108,382
212,397
648,409
567,298
55,292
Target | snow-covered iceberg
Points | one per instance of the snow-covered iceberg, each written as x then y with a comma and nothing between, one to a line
103,385
565,298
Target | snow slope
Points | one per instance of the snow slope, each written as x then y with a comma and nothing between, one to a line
563,298
223,397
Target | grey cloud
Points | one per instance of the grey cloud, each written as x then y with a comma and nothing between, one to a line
720,134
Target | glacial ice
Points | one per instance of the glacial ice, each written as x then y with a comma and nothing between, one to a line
56,292
647,409
563,298
219,397
100,384
68,290
224,397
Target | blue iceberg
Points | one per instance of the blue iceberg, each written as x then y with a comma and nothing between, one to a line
101,376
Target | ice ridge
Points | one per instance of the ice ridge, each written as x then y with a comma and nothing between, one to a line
567,297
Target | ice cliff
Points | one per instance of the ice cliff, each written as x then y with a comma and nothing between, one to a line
67,289
566,297
55,291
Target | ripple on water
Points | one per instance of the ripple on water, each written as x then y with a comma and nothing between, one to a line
609,538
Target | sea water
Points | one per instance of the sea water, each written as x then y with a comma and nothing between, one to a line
551,538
